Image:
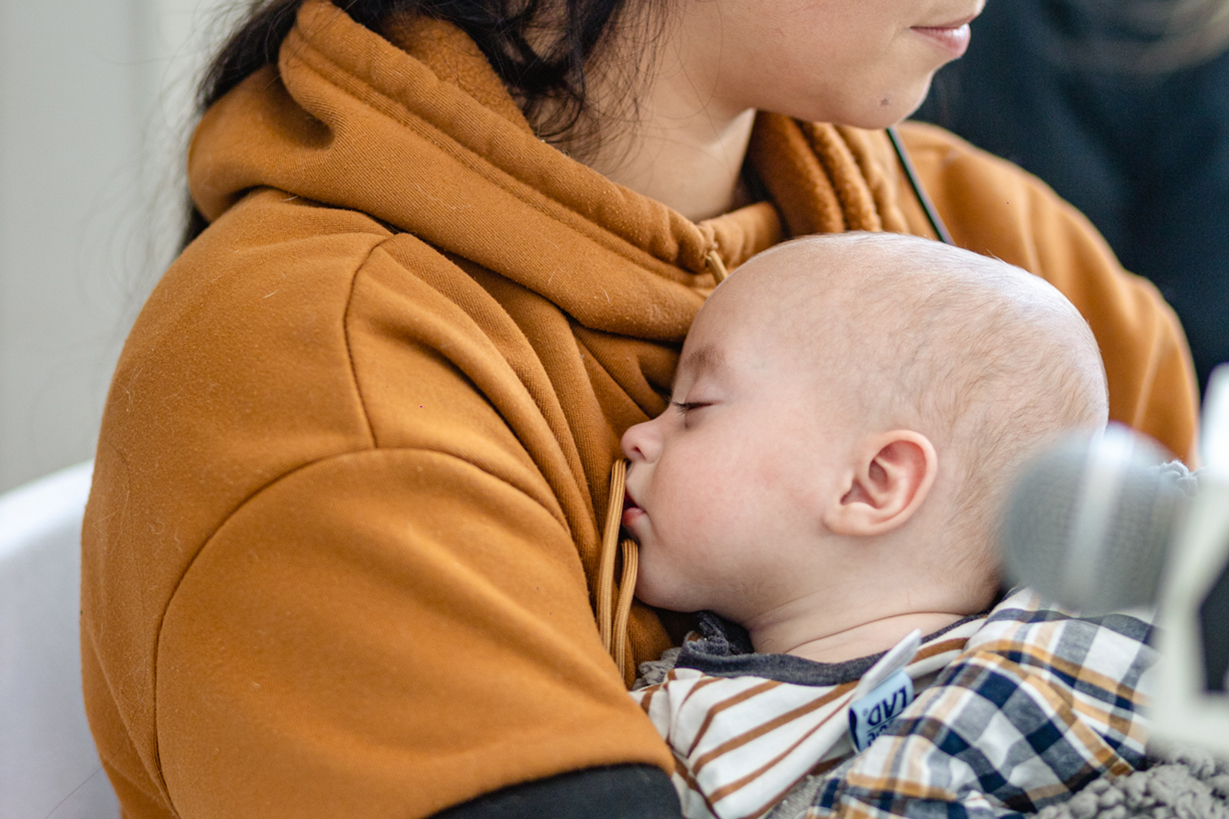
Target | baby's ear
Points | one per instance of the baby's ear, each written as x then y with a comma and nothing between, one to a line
892,474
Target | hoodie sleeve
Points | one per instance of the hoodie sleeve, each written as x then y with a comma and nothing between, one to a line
362,638
992,207
334,558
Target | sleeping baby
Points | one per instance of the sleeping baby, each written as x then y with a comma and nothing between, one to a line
824,488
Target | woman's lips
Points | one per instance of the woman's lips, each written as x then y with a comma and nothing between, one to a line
952,38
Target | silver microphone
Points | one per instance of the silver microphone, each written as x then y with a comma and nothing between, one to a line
1099,524
1090,521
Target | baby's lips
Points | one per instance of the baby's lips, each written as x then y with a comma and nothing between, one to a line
630,510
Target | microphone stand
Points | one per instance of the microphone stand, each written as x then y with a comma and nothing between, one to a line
1192,700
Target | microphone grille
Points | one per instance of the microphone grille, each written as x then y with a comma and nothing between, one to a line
1089,522
1039,516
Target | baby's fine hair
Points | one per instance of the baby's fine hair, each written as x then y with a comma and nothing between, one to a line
986,359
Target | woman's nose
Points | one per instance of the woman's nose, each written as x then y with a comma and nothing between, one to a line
641,442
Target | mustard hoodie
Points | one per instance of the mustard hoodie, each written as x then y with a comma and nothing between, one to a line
340,554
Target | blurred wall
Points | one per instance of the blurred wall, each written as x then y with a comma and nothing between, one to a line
94,95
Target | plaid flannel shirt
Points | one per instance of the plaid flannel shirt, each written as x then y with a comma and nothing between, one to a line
1029,705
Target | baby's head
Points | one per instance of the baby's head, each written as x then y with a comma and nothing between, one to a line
846,415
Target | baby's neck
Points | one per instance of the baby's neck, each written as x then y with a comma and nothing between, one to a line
862,640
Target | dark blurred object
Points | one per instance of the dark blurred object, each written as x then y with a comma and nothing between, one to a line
1122,106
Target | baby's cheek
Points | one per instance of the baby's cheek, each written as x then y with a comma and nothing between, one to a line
694,506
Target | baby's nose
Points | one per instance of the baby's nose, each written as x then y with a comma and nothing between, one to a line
638,442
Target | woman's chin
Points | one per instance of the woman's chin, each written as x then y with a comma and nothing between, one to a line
888,110
872,112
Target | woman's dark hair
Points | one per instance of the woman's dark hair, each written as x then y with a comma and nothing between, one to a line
548,81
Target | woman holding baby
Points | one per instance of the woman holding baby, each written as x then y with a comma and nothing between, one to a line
341,554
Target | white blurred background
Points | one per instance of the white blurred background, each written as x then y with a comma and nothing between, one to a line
94,100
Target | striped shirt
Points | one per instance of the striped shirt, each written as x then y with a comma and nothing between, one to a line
1013,711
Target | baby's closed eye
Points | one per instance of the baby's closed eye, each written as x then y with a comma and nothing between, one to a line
689,406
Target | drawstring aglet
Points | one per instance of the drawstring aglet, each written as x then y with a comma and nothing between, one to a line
716,266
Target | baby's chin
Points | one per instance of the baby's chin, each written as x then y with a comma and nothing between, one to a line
649,595
661,595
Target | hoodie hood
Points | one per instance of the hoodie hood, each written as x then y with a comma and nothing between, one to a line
418,131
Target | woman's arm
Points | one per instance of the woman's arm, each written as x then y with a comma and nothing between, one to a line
334,555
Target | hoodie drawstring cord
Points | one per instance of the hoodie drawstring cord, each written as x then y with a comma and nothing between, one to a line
612,615
716,266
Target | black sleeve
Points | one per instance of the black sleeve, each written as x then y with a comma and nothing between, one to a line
619,792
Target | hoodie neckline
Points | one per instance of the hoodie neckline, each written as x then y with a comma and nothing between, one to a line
448,107
472,106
